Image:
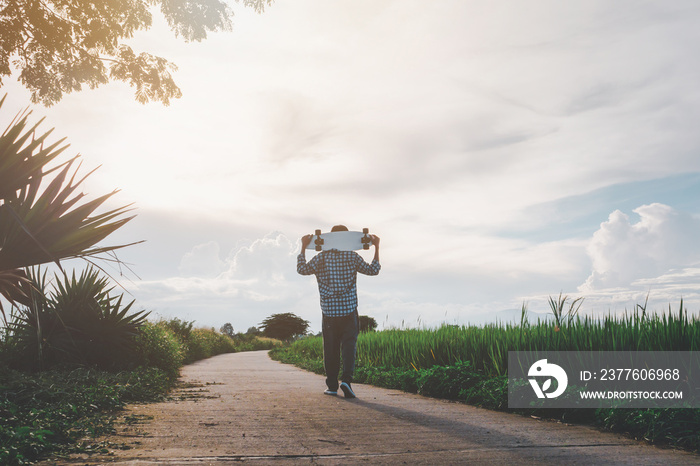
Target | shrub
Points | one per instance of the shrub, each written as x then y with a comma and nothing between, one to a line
181,328
157,346
256,343
677,426
489,393
79,323
388,377
205,343
448,382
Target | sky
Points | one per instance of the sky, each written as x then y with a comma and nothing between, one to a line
503,151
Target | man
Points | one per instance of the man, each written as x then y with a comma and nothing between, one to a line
336,273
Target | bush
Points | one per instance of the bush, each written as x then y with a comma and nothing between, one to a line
257,343
80,322
388,377
677,426
450,382
489,393
157,346
205,343
181,328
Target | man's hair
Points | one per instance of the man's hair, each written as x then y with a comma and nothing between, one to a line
339,228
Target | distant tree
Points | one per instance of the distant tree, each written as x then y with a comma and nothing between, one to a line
284,326
181,328
253,331
60,45
367,324
227,329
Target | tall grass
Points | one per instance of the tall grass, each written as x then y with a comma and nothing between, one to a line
486,348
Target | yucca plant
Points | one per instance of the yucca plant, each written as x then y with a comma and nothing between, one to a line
79,322
42,216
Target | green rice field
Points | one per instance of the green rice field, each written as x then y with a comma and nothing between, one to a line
486,348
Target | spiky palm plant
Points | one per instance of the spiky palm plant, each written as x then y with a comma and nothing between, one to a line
79,322
42,216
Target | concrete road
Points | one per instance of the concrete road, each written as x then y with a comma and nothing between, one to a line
246,407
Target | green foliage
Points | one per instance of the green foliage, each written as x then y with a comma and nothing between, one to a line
60,46
389,377
168,344
448,382
79,322
253,331
250,342
367,324
491,392
284,326
42,217
59,410
157,346
227,329
23,156
289,356
53,411
672,426
205,343
180,328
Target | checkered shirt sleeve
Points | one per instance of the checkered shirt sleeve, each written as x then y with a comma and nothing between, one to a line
336,274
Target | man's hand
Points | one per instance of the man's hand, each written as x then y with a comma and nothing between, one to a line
375,241
305,241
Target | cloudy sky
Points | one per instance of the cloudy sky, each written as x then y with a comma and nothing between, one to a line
504,151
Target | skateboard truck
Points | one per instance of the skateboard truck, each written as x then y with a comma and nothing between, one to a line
318,241
366,240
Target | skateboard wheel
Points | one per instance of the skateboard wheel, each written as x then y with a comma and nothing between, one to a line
365,240
318,233
318,247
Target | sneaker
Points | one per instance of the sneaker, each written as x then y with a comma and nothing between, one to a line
330,392
347,390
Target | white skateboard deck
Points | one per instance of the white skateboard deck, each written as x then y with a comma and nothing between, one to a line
340,240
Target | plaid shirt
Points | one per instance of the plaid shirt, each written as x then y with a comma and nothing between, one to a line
336,273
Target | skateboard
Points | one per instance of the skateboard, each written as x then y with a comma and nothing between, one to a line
341,240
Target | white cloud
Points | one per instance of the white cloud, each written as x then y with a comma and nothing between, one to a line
256,280
622,251
202,261
266,261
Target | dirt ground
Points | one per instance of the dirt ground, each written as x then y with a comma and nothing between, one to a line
245,407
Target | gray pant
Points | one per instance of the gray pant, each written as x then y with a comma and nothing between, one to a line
339,336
